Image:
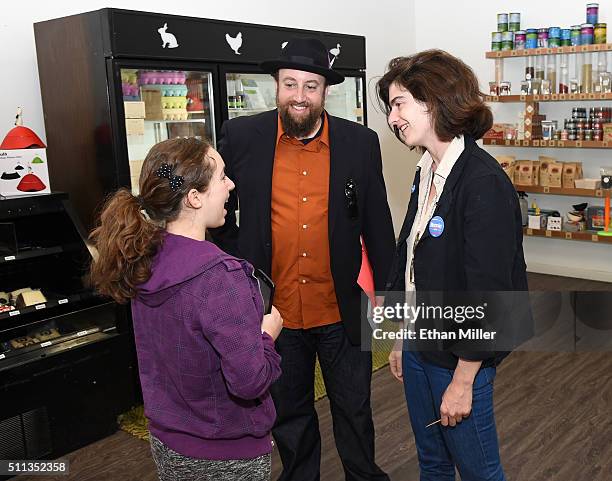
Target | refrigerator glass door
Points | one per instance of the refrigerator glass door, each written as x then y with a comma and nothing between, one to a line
249,93
252,93
345,100
161,105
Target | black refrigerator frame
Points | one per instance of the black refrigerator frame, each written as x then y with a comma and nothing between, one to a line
80,56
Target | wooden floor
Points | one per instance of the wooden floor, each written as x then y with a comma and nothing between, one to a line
553,418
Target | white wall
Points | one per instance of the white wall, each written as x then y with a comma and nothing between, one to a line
467,35
387,25
391,28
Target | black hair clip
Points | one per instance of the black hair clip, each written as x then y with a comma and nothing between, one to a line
350,192
165,172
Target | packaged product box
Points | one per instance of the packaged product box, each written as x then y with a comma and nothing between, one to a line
153,104
507,164
134,109
571,172
555,174
525,173
495,132
544,162
554,223
595,217
24,172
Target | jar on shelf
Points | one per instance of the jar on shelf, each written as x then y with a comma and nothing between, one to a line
564,74
551,73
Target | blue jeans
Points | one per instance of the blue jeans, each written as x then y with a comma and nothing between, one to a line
471,445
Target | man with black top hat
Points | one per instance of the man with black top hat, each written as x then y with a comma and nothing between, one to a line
310,187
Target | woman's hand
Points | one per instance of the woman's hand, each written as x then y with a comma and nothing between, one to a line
456,403
395,360
272,323
457,399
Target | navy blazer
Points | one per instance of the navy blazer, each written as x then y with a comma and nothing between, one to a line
481,246
247,146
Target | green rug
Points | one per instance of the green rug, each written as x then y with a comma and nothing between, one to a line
135,423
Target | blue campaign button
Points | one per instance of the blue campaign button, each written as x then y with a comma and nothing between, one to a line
436,226
413,188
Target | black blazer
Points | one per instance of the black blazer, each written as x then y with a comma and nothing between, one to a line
480,248
247,146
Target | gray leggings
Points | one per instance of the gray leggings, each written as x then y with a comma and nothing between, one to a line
172,466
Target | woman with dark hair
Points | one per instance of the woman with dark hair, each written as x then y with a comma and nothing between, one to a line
206,352
462,233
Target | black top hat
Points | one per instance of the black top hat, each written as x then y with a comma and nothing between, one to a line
308,54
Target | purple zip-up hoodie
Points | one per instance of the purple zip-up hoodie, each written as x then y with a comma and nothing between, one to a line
205,366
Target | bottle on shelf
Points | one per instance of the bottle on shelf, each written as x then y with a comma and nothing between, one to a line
551,73
529,68
539,67
564,74
524,207
586,77
601,78
574,83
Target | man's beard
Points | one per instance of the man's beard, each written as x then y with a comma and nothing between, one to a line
302,126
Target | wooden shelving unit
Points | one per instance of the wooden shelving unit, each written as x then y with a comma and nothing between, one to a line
529,52
536,189
557,144
585,236
548,98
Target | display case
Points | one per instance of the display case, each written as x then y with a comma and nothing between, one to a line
114,82
67,367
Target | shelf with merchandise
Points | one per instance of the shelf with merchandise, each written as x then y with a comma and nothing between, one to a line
528,52
538,189
549,98
556,144
584,236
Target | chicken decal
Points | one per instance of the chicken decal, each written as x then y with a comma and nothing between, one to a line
234,43
335,53
168,39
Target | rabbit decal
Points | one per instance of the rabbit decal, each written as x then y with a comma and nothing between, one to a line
168,39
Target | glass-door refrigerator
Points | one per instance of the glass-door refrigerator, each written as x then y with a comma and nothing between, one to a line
115,82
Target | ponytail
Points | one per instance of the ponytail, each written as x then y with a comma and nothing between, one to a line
126,243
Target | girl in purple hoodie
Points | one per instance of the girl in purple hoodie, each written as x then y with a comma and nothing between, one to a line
205,349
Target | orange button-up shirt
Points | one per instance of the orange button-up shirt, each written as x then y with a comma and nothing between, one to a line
305,294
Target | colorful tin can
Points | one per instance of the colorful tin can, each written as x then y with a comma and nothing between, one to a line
507,41
520,38
554,37
600,32
515,22
586,34
592,13
566,37
496,40
502,22
575,35
542,37
531,40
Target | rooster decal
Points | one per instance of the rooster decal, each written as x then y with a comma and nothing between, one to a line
234,43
